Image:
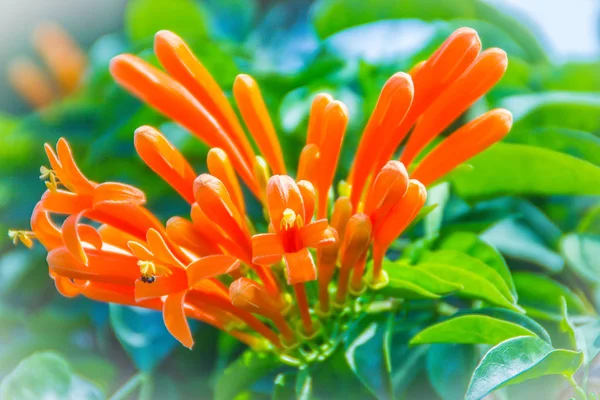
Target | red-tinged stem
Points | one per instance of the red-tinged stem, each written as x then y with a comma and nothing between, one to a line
342,288
302,300
359,270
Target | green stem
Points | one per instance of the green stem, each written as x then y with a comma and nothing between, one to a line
129,387
579,392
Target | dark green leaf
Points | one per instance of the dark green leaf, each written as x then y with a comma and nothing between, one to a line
471,329
516,240
474,246
518,360
507,168
367,353
582,254
449,367
242,373
46,376
285,386
541,297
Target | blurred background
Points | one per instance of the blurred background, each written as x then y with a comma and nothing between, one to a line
295,49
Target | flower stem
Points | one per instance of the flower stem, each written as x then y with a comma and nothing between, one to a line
302,300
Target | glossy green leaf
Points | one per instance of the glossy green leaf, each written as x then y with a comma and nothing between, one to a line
510,316
541,297
242,373
471,244
46,376
367,353
449,368
439,196
516,240
517,169
582,254
473,265
470,329
409,282
143,18
518,360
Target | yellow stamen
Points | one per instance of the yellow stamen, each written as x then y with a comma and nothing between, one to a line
150,270
290,218
24,237
52,180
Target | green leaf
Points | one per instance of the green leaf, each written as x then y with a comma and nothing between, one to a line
590,223
580,144
143,18
303,384
511,316
242,373
449,367
138,330
471,244
470,329
582,254
409,282
284,386
46,376
517,169
438,195
473,265
367,353
516,240
541,296
518,360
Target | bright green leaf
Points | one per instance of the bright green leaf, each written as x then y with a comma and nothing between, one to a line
473,245
437,195
511,316
46,376
517,169
518,360
242,373
410,282
470,329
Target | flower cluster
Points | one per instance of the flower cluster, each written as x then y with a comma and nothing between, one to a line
214,266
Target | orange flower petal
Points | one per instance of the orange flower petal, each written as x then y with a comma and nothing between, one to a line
161,250
401,215
31,82
483,74
61,202
220,167
282,193
71,237
307,191
162,286
250,296
115,193
317,234
316,120
175,320
90,235
356,239
389,187
114,237
180,62
308,166
214,200
170,98
460,146
393,104
185,234
45,231
140,251
71,176
300,267
165,160
211,266
342,211
266,249
67,288
336,120
256,116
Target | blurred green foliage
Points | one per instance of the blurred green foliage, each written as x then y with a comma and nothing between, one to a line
529,205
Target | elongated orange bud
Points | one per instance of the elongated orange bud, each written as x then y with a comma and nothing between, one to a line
354,245
214,200
394,102
460,146
400,216
307,191
177,58
30,82
447,63
170,98
256,116
308,166
316,119
184,234
336,120
485,72
220,167
165,160
389,187
63,56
